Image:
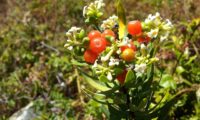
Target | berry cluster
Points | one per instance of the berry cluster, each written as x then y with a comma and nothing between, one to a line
99,41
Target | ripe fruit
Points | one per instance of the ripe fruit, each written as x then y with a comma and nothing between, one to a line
98,45
134,27
94,34
128,54
90,56
145,39
121,77
130,45
108,33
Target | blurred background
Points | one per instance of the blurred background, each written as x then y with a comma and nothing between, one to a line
34,65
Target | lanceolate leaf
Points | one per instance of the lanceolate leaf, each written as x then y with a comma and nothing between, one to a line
130,78
121,19
97,85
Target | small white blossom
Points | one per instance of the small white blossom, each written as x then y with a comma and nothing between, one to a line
62,84
99,4
157,15
95,6
143,46
113,62
168,25
130,67
149,19
95,64
68,34
109,76
164,37
118,51
74,29
140,68
153,33
70,48
153,19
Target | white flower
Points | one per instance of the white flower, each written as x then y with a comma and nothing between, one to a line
110,22
153,33
143,46
164,37
140,68
70,48
125,41
99,4
68,34
118,51
149,19
155,19
157,15
113,62
62,84
168,25
95,64
73,29
95,6
130,67
109,76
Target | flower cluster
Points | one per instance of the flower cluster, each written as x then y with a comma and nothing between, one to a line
74,38
93,11
156,28
110,22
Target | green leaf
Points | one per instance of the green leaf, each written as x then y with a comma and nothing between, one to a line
121,19
94,83
103,78
167,81
130,78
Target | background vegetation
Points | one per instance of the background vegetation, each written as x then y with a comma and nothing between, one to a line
34,65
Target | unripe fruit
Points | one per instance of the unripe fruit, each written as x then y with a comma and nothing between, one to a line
128,55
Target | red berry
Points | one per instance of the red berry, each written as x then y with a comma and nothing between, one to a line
130,45
134,27
128,55
108,33
94,34
145,39
121,77
98,45
90,56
